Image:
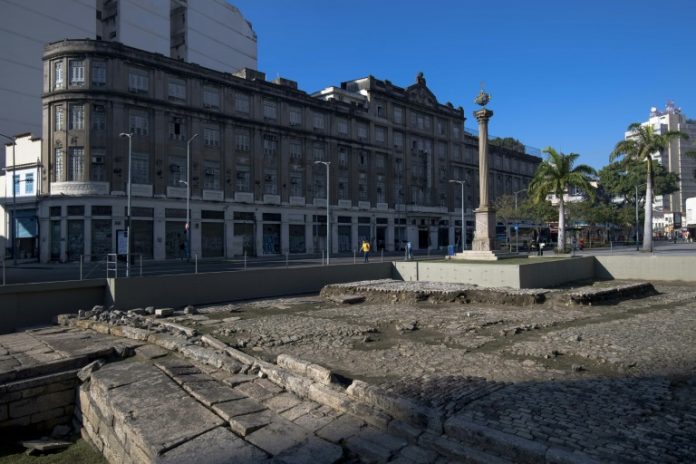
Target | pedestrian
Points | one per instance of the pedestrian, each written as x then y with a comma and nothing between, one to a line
408,250
182,245
541,248
365,248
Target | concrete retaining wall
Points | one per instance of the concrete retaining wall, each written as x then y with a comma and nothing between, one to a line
25,305
535,274
646,267
197,289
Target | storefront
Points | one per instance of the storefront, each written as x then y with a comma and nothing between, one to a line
345,235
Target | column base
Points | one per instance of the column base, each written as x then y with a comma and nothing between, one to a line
485,255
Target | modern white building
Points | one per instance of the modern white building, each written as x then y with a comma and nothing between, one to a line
211,33
21,185
675,158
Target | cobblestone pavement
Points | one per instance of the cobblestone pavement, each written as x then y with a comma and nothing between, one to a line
614,381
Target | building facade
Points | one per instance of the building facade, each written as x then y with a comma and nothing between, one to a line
674,158
20,184
255,186
211,33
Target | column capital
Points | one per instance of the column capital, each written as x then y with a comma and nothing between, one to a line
483,115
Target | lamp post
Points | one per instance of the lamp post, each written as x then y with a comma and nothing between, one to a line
328,227
128,193
188,196
14,200
517,225
637,246
461,182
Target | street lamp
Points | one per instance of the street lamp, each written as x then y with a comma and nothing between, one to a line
188,196
328,227
128,193
14,200
517,225
637,246
461,182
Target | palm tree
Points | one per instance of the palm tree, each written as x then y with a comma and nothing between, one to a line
555,176
639,148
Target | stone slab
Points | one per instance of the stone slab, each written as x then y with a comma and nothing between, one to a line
314,450
278,436
210,393
341,429
217,446
230,409
148,352
248,423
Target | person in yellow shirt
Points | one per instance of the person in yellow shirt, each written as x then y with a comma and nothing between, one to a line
365,248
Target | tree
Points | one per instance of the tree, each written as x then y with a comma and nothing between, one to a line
620,180
555,176
638,148
505,211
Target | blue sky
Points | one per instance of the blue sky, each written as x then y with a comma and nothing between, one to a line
569,74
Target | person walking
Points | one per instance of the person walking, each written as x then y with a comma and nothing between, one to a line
365,248
408,250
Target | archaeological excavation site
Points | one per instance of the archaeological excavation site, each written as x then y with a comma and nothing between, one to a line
373,371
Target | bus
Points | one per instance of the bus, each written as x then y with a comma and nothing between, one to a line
520,236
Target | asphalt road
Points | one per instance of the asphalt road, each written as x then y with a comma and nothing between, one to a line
29,272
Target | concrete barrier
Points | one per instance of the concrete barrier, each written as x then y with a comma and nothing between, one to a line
25,305
217,287
646,267
534,274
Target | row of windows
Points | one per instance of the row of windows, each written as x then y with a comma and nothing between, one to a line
139,82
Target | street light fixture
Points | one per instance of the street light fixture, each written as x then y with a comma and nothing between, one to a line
128,218
328,227
461,182
188,196
517,225
14,200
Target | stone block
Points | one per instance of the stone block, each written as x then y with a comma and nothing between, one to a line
561,456
299,410
31,406
255,391
213,342
47,414
341,428
292,364
330,397
314,420
319,374
135,333
282,402
4,414
217,446
314,450
405,430
367,450
86,372
370,415
238,379
164,312
148,352
278,436
248,423
230,409
210,393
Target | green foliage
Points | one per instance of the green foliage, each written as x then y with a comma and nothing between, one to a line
557,174
620,180
508,142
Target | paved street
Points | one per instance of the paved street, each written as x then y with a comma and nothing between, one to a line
35,272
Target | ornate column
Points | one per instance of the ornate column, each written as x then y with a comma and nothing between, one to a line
484,238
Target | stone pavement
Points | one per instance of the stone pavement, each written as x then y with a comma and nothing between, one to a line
305,379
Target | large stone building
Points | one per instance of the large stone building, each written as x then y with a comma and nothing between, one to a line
255,187
674,159
211,33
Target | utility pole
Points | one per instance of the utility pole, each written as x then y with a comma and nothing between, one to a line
328,228
14,200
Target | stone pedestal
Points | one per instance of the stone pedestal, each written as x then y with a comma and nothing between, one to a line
484,236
